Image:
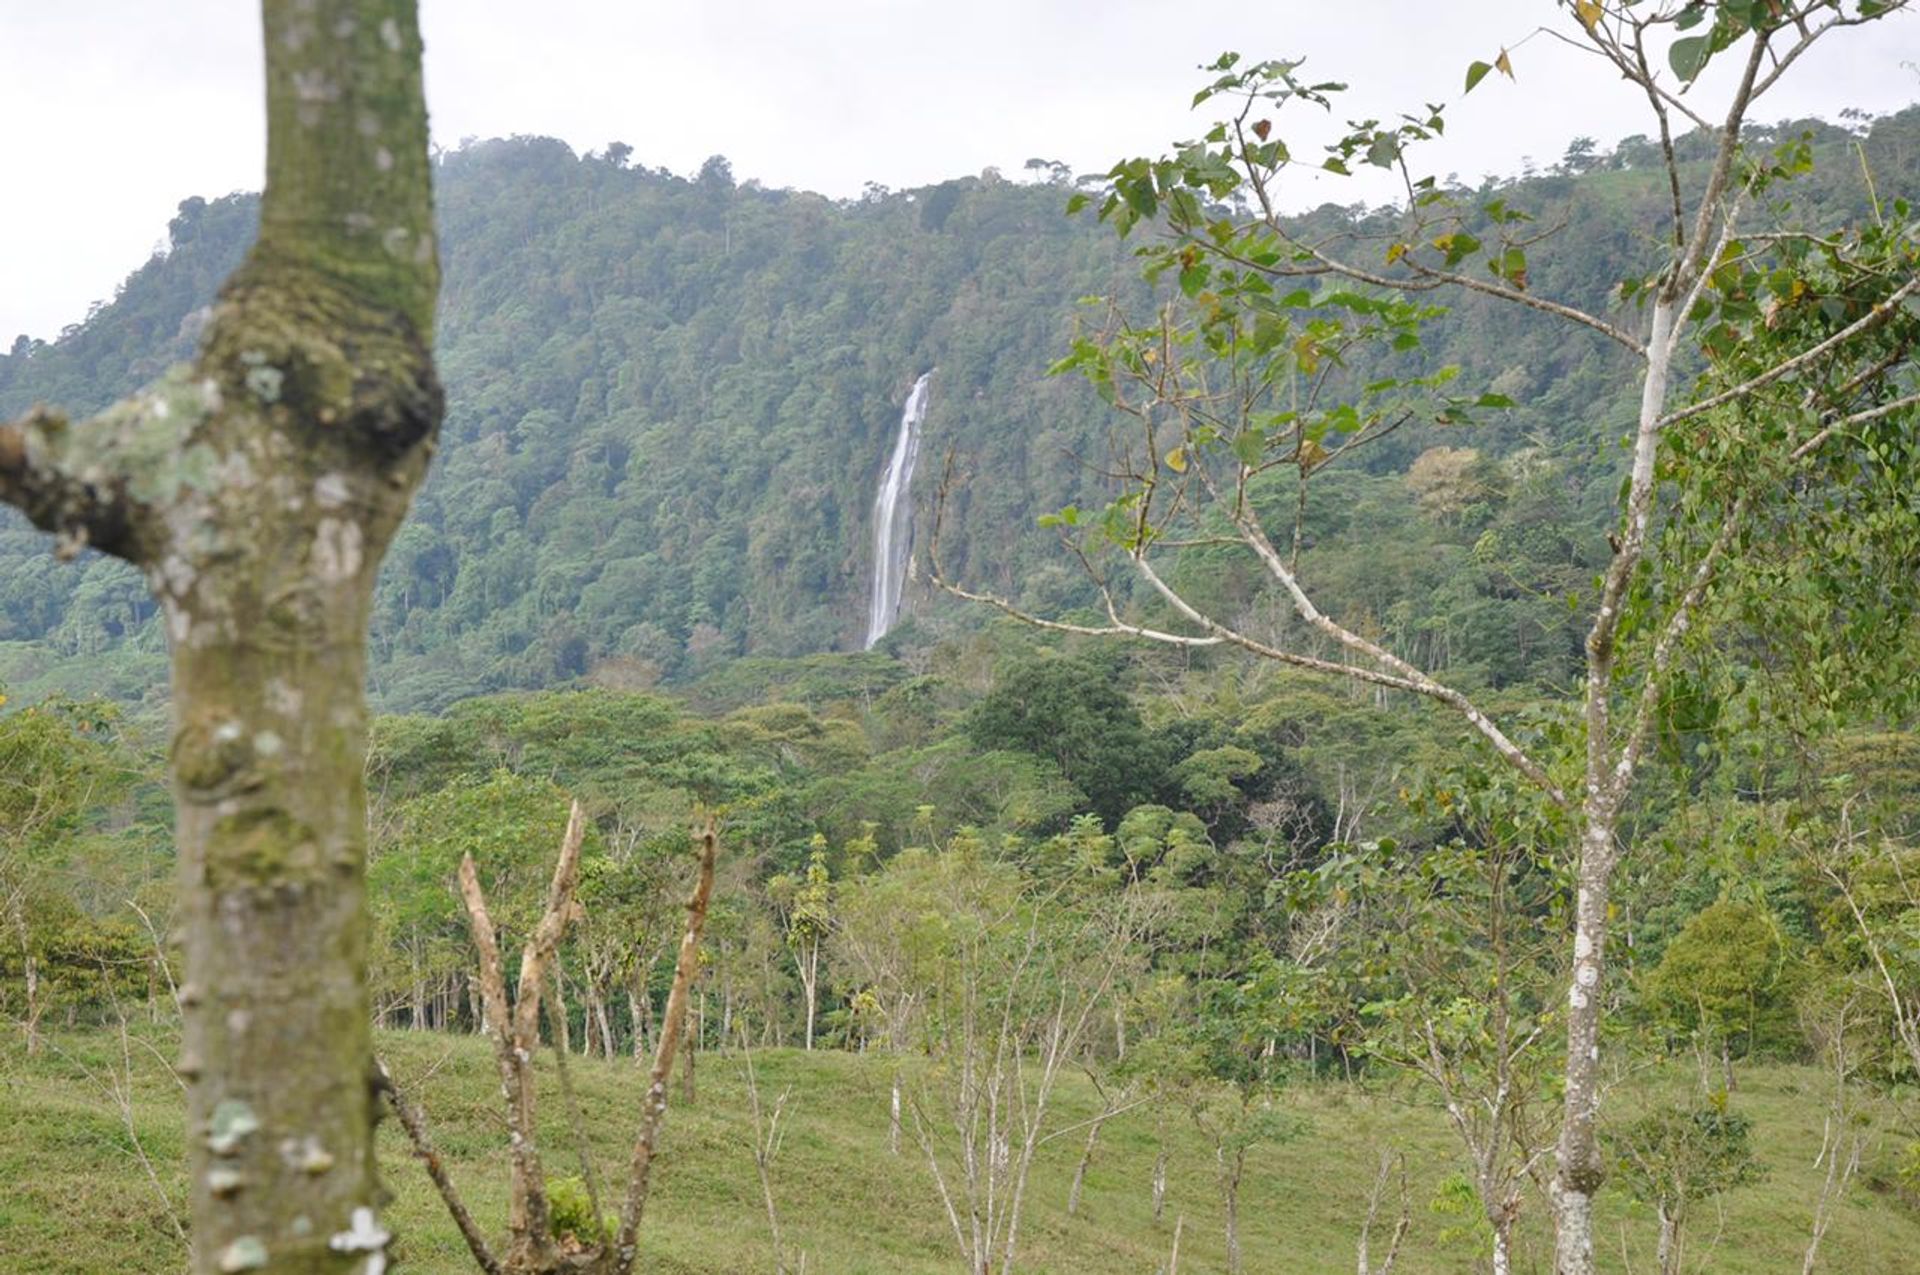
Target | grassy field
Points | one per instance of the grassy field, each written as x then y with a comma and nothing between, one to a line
77,1198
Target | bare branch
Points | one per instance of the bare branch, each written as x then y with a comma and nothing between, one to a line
1694,257
516,1031
546,935
1430,278
1405,674
414,1121
1364,1265
94,483
672,1023
54,498
1390,671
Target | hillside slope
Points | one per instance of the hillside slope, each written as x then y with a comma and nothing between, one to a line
79,1201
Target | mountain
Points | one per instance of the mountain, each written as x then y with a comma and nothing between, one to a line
671,400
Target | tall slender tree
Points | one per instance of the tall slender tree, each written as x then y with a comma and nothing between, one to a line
1765,356
257,489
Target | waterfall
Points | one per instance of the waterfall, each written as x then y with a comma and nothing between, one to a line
893,518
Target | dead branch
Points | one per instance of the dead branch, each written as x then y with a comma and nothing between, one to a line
414,1121
672,1023
516,1035
766,1145
1388,1160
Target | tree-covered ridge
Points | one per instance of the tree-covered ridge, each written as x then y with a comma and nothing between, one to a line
669,400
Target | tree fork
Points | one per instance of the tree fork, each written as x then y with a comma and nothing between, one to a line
257,490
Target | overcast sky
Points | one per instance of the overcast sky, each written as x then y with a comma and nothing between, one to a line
118,109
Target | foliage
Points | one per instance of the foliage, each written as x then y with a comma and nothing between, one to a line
599,312
1727,977
1674,1157
570,1213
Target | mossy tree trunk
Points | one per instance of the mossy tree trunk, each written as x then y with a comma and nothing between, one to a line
258,490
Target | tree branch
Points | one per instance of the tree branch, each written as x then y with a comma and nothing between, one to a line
414,1121
672,1022
1881,314
1430,278
95,484
546,935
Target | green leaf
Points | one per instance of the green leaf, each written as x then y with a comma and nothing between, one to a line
1476,73
1688,56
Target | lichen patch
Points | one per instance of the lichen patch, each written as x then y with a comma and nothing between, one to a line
337,550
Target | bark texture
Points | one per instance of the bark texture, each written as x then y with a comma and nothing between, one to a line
516,1038
257,490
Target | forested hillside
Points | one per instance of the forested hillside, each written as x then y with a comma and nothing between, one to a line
670,400
1425,780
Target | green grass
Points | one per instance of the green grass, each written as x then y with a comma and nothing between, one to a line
76,1199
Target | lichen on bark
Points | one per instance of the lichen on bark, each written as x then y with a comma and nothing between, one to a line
257,489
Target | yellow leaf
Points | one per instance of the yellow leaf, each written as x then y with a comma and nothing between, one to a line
1396,252
1589,13
1503,64
1307,355
1177,460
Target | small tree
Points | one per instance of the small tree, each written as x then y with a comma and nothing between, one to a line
1214,1057
1236,1117
1452,962
52,767
806,905
1674,1157
606,1248
1722,978
1016,973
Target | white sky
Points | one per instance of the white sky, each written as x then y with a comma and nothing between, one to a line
118,109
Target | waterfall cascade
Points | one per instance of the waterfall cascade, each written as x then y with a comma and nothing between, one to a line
893,518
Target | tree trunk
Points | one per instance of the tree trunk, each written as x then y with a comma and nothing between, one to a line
1230,1189
1503,1247
638,1012
30,967
893,1123
605,1020
560,993
691,1027
810,978
1668,1254
34,1007
1080,1171
1580,1167
258,491
1159,1183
